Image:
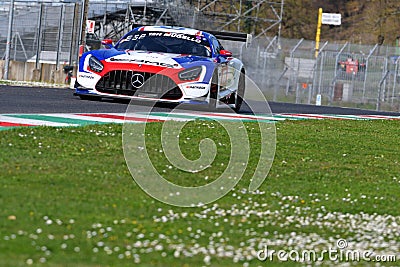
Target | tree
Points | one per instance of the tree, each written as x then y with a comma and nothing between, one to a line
362,21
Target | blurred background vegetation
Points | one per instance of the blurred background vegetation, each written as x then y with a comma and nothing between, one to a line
363,21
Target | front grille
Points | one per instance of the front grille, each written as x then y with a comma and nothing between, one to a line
122,82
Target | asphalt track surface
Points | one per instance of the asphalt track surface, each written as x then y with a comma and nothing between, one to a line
18,99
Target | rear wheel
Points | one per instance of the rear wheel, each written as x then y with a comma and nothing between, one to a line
239,95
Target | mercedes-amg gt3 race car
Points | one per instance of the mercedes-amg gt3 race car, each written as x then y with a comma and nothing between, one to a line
167,64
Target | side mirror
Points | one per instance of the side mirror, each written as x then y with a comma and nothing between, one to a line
108,43
225,53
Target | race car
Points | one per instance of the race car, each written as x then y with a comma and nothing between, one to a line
165,64
350,66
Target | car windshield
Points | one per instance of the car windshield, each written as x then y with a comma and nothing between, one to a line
166,42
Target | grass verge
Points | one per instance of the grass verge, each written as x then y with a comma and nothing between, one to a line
68,199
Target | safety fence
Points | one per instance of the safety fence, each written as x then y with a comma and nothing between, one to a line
41,33
341,74
49,32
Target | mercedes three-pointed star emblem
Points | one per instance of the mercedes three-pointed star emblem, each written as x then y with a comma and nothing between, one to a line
137,80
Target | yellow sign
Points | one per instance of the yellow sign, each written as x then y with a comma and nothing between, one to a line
317,38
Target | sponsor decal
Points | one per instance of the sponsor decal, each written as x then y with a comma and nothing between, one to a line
85,76
147,95
140,36
148,62
198,87
196,39
133,37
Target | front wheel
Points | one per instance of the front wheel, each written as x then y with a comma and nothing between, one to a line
213,94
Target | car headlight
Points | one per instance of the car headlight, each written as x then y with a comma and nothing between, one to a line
95,64
190,74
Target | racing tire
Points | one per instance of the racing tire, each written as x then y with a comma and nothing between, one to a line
212,102
239,95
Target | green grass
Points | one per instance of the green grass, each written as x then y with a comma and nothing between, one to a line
68,199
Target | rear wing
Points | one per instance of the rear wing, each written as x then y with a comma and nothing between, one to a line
229,36
233,36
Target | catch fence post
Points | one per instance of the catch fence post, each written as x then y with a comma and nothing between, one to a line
291,65
39,36
60,35
9,36
381,82
315,70
396,71
366,70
